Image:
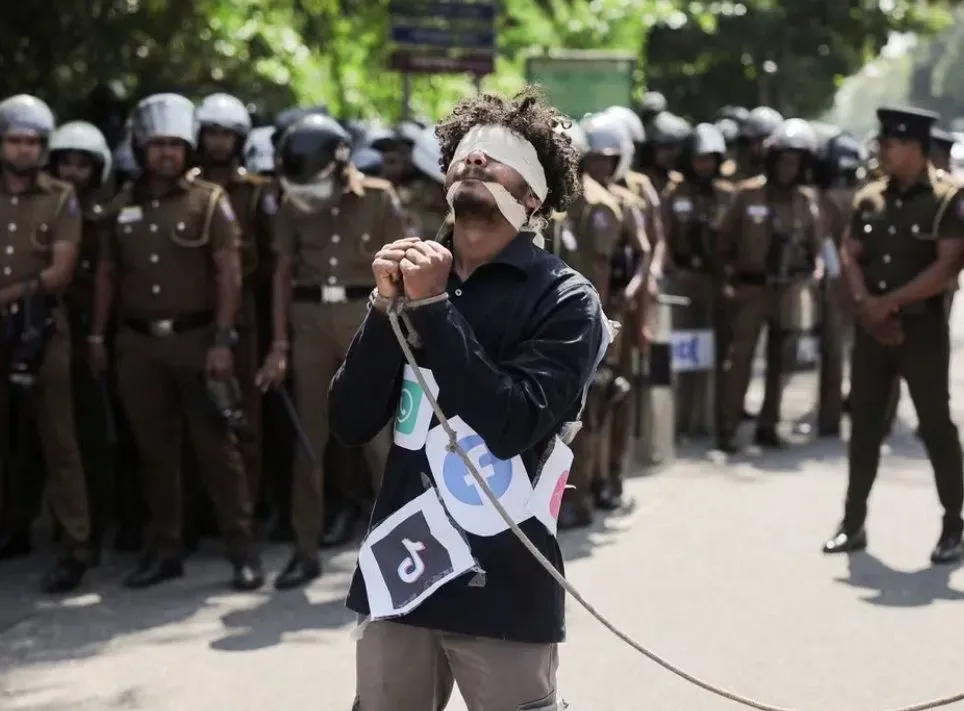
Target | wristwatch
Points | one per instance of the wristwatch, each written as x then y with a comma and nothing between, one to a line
226,338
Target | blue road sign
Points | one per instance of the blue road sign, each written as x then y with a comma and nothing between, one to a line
460,38
480,11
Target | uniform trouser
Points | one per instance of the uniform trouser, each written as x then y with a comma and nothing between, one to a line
835,340
399,666
623,413
695,400
161,385
588,449
754,307
321,334
51,404
922,360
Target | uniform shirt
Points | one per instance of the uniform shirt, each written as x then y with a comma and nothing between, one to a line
334,246
31,222
425,207
898,230
691,219
512,352
81,291
757,214
642,187
587,235
163,248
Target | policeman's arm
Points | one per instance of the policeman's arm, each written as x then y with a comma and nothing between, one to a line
655,231
515,402
225,236
849,252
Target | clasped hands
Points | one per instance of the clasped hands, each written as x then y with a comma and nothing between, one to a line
415,268
879,317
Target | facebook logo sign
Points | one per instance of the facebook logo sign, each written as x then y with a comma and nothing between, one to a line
693,351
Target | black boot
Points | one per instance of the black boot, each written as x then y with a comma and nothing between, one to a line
949,548
66,576
847,539
152,571
340,527
300,570
248,574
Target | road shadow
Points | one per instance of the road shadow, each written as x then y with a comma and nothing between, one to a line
890,587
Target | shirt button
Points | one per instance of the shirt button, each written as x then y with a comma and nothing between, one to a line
9,249
332,280
458,292
333,261
365,237
868,228
12,227
85,265
915,229
14,200
892,230
335,239
180,226
155,289
7,271
153,228
155,203
334,211
882,284
127,229
886,259
898,202
154,259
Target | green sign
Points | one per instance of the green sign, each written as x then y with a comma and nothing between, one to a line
578,84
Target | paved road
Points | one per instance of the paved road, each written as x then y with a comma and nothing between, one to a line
717,567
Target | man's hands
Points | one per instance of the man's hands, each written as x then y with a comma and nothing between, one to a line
878,316
419,268
219,363
273,372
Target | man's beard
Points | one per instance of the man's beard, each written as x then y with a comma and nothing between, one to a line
468,203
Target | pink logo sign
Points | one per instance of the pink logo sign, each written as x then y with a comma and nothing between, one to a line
555,502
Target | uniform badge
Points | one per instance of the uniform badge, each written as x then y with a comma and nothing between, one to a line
601,220
269,203
226,209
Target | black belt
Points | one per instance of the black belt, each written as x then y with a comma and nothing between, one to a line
329,294
170,326
753,279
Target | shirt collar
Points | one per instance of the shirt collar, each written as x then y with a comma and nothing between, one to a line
520,253
139,191
354,181
927,179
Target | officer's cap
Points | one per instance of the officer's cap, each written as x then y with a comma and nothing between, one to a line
906,123
942,140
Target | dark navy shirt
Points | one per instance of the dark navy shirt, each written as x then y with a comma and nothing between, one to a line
512,351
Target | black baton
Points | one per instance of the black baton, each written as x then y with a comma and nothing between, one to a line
299,429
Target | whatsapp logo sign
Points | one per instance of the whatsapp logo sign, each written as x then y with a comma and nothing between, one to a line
408,406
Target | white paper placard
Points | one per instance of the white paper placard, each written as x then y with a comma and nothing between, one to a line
551,485
693,351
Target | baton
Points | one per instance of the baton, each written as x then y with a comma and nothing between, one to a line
110,422
299,429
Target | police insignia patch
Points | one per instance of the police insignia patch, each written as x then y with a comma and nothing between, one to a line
226,209
600,220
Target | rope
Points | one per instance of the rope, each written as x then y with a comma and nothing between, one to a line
395,312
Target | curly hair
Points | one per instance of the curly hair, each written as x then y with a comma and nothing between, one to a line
531,117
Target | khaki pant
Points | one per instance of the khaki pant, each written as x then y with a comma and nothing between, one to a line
622,415
754,307
588,448
405,668
321,334
161,385
51,404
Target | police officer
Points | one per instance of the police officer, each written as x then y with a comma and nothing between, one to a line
837,171
223,126
586,237
942,145
42,225
758,126
170,263
609,156
692,211
770,239
79,155
651,106
905,243
331,221
396,153
427,208
665,138
368,161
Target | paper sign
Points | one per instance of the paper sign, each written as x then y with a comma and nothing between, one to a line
461,495
551,485
693,351
414,415
410,555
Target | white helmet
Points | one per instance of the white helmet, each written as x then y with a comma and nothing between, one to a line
85,138
259,150
427,155
225,111
630,120
577,134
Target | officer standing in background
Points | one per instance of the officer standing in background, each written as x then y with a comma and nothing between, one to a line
692,212
170,262
223,126
905,243
396,153
587,236
42,222
427,208
80,156
770,241
331,222
760,123
665,138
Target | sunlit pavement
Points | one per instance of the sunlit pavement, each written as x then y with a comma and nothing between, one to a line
716,567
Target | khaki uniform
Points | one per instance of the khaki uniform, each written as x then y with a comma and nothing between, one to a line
764,290
31,224
836,335
161,250
691,219
661,180
425,207
898,232
331,249
586,237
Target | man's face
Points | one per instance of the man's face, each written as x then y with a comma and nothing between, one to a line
165,157
473,197
22,149
705,166
77,168
395,164
788,167
600,167
218,144
666,156
896,154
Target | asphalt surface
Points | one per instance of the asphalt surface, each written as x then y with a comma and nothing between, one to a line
717,566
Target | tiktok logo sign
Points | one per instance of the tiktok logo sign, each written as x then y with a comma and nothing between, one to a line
460,492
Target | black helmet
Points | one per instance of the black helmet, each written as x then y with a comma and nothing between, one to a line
288,117
707,140
845,153
357,130
368,161
668,129
653,103
310,145
794,134
761,122
383,138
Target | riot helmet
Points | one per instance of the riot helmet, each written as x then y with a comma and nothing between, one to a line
285,119
707,139
653,104
225,111
368,161
668,129
383,138
259,151
608,137
25,114
256,115
164,116
357,130
427,155
729,128
840,159
703,153
313,147
738,114
761,123
794,135
86,138
632,122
